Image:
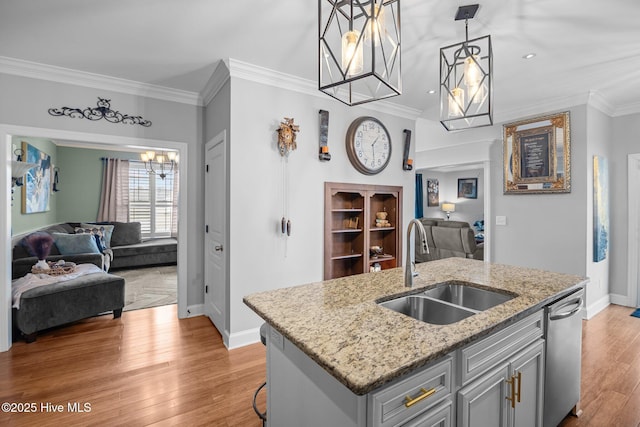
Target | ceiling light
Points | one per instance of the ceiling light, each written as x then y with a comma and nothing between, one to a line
359,49
164,162
529,55
466,79
431,92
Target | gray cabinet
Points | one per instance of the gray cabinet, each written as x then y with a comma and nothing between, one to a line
509,395
441,416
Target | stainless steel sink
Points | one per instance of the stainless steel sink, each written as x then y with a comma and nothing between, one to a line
427,310
447,303
467,296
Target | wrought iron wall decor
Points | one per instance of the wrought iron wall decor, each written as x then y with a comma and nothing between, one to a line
102,111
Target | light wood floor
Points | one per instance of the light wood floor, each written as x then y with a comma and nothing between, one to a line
149,368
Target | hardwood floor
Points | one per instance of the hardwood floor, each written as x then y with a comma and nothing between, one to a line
148,368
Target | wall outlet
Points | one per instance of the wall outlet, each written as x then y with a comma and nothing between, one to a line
501,220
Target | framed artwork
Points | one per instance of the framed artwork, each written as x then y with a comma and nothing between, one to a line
468,188
37,183
537,155
433,192
600,208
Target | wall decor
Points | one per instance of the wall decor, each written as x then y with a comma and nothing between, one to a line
537,155
324,136
407,162
600,208
468,188
102,111
433,192
287,136
37,184
368,144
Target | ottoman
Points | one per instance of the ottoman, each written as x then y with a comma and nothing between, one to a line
59,303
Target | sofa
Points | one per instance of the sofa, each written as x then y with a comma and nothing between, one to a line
123,247
448,239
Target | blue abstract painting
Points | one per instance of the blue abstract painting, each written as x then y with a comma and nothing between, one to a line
37,185
600,208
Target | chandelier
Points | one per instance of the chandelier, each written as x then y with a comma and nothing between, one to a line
160,164
466,79
359,49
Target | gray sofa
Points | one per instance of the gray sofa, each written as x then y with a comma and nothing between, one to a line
127,249
448,239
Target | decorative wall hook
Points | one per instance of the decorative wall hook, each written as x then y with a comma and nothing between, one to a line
56,179
102,111
287,136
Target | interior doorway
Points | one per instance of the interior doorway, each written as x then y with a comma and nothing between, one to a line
116,142
633,260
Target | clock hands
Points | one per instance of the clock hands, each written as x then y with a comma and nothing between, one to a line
373,151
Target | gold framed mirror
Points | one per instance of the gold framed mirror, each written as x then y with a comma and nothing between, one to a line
537,155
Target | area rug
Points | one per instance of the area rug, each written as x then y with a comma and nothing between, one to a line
636,313
149,287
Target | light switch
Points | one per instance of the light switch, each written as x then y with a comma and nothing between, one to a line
501,220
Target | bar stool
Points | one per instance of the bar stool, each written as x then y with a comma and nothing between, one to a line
262,415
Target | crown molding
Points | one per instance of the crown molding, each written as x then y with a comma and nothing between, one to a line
217,80
255,73
56,74
633,108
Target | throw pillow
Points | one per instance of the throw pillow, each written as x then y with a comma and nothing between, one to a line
126,233
106,229
96,233
71,244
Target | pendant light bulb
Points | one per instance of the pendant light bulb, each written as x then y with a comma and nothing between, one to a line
352,53
456,101
375,28
472,72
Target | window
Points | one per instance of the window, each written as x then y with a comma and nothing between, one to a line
150,200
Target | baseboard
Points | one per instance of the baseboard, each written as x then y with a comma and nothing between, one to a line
597,307
195,310
240,339
621,300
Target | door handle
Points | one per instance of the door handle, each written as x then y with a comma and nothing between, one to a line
218,248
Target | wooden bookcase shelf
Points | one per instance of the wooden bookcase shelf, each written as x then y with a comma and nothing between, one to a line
350,228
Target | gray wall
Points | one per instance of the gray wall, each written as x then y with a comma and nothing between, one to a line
25,102
468,210
625,141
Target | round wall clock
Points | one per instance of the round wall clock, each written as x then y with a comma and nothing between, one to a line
368,145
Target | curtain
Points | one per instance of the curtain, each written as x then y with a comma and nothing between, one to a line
174,202
419,196
114,199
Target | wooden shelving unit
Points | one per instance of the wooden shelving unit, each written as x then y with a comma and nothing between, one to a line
350,228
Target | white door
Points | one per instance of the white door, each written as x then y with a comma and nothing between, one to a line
215,294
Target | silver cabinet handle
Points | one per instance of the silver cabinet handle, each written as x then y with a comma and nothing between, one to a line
218,248
570,313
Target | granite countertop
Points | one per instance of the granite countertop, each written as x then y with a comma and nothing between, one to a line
363,345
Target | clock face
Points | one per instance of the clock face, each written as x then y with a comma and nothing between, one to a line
368,145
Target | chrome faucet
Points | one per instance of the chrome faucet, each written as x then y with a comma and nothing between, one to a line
410,266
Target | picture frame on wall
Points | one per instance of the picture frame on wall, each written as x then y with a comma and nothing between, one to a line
537,155
600,208
468,188
433,192
37,185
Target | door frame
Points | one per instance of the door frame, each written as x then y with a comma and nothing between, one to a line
220,139
6,134
633,171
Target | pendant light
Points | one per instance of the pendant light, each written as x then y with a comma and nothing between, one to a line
359,49
466,79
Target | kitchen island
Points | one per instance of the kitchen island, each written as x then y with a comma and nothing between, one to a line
336,331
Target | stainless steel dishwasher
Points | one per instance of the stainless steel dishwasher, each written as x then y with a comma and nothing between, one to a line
563,357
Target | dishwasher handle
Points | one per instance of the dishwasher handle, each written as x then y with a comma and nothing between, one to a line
576,301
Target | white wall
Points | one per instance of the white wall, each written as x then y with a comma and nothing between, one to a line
261,257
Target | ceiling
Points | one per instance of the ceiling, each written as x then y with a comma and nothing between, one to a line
583,48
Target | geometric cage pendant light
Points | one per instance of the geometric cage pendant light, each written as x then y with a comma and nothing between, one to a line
359,49
466,79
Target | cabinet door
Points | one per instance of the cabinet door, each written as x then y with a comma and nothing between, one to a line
440,416
530,365
484,402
